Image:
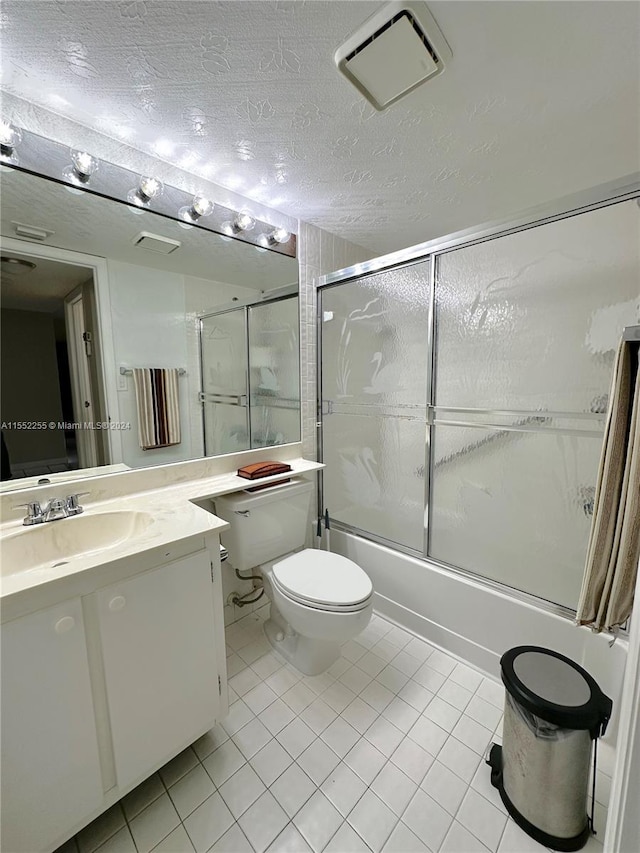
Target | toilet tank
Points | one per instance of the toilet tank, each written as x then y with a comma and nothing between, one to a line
265,525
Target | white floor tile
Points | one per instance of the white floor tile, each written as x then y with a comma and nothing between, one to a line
259,698
266,665
412,760
483,712
299,697
472,734
377,695
346,840
270,762
263,822
177,841
355,679
481,819
359,714
428,735
353,651
317,761
428,820
394,787
459,758
344,788
208,822
109,822
442,713
455,694
401,714
402,840
139,798
338,696
251,738
242,790
254,650
385,650
466,677
406,663
429,678
481,783
492,692
318,715
223,762
372,820
281,681
341,665
194,788
416,695
398,636
239,715
384,736
296,737
371,664
276,716
514,840
153,824
418,649
178,767
122,842
292,789
442,662
460,840
365,760
340,736
289,841
444,787
318,683
393,679
245,681
233,841
318,820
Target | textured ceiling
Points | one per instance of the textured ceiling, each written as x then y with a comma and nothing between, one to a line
97,226
42,288
540,100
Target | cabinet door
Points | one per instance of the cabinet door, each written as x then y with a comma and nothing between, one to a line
157,634
50,768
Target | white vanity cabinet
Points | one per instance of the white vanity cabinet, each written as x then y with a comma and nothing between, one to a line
160,669
51,775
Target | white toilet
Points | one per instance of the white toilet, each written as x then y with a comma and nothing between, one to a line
319,600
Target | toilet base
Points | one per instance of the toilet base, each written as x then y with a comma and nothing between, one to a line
311,657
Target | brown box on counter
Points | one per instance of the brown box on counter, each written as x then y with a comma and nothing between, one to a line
263,469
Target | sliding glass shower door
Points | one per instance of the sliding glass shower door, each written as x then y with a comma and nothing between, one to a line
488,463
250,373
374,398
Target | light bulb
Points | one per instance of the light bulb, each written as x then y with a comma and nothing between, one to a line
243,221
84,165
199,207
280,235
10,138
147,189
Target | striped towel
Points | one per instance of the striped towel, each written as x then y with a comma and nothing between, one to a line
158,408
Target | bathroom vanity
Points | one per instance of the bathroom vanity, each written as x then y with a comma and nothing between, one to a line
113,652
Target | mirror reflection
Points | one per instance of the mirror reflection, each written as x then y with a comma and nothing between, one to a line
131,340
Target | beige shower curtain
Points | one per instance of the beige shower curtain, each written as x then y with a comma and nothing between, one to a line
611,567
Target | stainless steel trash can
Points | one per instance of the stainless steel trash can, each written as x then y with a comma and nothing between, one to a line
554,711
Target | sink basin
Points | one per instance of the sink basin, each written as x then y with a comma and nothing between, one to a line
56,543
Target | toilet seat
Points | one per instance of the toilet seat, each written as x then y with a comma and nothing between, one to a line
323,581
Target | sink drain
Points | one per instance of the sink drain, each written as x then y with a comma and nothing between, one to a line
61,563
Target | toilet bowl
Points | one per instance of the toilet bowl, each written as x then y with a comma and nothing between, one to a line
318,600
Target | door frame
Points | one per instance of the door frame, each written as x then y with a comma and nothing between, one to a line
81,389
97,267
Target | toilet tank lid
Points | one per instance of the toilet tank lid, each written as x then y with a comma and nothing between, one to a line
322,577
241,501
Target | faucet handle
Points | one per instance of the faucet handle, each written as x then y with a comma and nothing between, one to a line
73,507
34,513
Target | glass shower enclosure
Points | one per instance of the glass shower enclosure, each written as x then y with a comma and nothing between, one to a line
463,395
250,386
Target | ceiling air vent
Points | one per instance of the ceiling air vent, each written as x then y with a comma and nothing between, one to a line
155,243
393,52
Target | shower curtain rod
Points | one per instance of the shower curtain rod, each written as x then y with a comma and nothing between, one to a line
631,333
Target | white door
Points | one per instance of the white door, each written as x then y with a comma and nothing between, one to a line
50,767
157,633
84,409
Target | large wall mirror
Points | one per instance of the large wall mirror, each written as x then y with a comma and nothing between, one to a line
111,289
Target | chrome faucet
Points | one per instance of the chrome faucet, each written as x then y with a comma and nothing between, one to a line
53,510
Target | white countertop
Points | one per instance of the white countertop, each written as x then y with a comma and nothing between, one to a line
175,524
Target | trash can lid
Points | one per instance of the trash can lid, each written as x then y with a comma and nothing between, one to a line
555,688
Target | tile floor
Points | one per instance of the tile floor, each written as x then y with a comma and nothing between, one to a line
384,752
